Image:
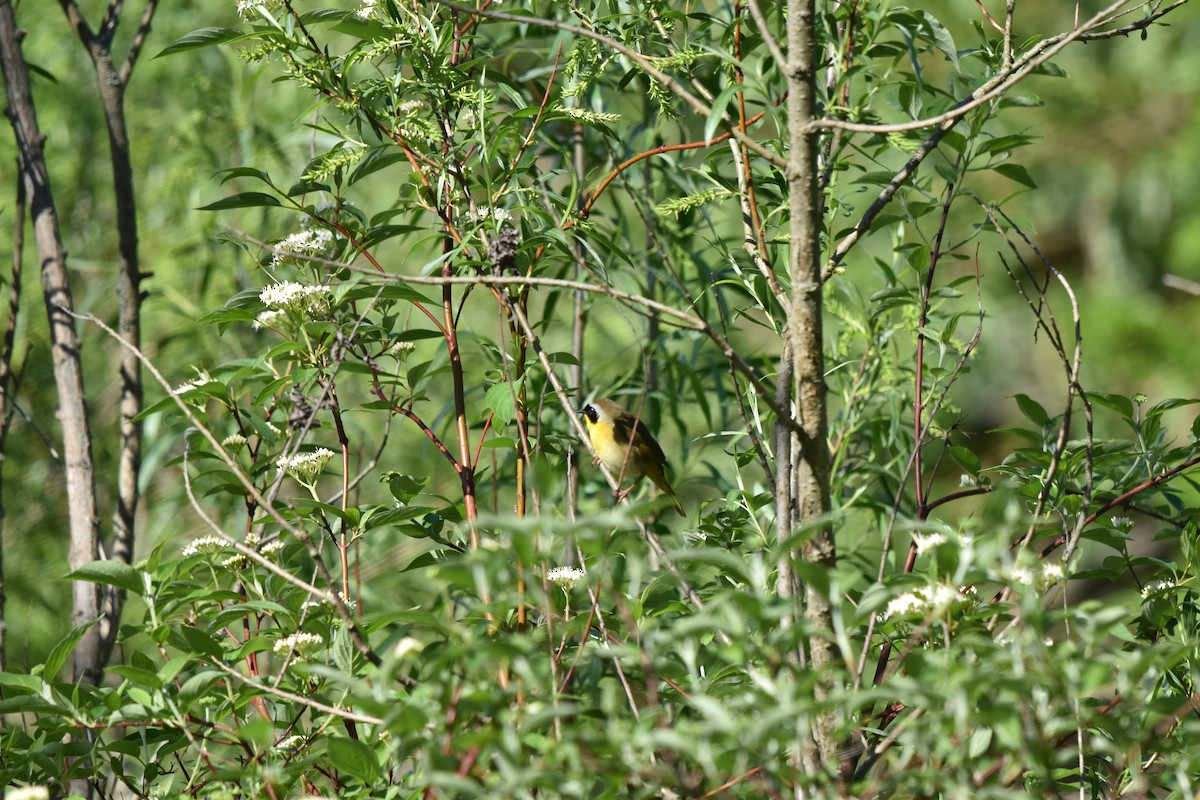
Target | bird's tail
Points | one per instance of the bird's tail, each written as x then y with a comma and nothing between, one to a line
656,474
666,487
678,505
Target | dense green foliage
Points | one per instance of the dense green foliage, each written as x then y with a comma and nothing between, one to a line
422,243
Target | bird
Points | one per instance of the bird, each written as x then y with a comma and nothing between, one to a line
611,429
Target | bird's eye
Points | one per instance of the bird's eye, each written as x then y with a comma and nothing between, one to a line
589,411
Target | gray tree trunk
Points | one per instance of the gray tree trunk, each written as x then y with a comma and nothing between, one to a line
65,346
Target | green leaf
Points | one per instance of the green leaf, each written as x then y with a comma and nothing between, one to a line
502,401
342,651
392,291
332,15
27,683
42,72
429,526
402,291
198,686
354,758
377,158
312,506
382,233
1052,70
1169,404
424,560
1015,172
367,30
1004,144
403,487
979,741
205,37
1119,403
112,573
718,110
256,644
58,656
245,299
416,335
271,389
966,459
137,676
201,643
942,39
31,704
248,609
245,172
169,670
243,200
1032,410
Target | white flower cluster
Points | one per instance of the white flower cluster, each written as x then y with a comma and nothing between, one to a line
305,467
273,318
292,296
233,441
1040,577
927,600
206,544
28,793
321,603
1122,523
294,742
301,645
1157,587
271,548
566,577
308,242
501,215
249,9
407,646
401,349
927,542
200,380
369,9
235,563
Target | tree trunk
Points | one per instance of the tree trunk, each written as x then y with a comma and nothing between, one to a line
111,82
808,461
65,347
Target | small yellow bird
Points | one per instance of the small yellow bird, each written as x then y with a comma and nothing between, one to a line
611,429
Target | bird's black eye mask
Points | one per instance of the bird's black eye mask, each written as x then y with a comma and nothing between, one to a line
589,411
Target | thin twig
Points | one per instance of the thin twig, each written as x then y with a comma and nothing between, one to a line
308,702
139,40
